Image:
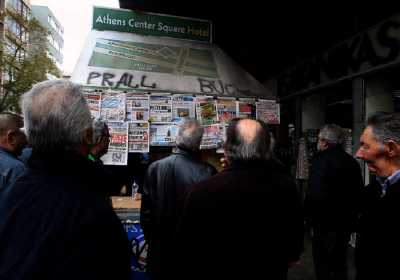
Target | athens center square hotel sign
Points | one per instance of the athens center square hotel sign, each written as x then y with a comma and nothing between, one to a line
151,24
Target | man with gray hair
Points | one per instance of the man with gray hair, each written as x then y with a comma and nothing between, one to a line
378,234
12,142
101,140
166,183
245,222
331,203
54,223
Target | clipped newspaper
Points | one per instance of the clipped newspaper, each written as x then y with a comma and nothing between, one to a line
226,109
93,99
118,149
160,108
162,134
138,134
113,106
183,106
206,110
137,107
268,111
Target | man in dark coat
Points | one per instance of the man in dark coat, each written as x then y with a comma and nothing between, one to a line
101,140
378,242
54,224
166,183
245,222
332,203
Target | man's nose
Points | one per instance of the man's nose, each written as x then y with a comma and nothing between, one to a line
359,154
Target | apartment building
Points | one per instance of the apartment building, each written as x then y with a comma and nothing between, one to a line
56,42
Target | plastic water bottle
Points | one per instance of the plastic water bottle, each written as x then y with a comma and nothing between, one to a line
135,187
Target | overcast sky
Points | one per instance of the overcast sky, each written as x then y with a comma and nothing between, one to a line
76,18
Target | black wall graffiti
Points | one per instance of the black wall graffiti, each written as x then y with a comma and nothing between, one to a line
125,80
219,88
344,59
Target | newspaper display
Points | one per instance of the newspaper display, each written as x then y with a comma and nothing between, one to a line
247,108
138,137
93,99
268,111
137,107
226,109
160,108
183,106
113,106
211,137
118,148
206,110
163,134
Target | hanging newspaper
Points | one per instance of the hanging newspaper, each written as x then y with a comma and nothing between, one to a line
113,106
137,107
211,137
226,109
206,110
160,108
183,106
162,134
93,100
118,148
247,108
138,137
268,111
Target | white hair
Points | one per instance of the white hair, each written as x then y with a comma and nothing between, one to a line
189,134
332,133
56,115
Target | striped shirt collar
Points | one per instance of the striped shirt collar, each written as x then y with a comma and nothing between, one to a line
386,182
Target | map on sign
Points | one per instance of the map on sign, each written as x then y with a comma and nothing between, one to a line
154,58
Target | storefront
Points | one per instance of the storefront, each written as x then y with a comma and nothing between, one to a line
343,85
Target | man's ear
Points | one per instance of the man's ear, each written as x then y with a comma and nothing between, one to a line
392,148
88,137
10,136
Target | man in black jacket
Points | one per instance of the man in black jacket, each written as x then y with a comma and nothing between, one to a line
332,203
101,140
378,242
54,223
245,222
166,183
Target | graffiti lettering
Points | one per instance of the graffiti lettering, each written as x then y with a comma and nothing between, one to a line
106,80
125,80
218,87
361,53
153,85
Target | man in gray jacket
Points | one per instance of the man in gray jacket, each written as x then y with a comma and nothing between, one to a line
166,184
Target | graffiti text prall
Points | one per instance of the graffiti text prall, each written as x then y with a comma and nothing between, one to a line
114,81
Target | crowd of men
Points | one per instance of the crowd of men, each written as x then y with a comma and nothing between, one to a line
245,222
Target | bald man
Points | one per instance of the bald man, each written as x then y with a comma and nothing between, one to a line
245,222
12,141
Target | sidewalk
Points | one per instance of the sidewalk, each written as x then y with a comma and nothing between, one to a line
306,270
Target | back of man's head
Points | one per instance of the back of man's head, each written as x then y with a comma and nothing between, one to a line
332,134
247,140
12,138
189,134
101,137
56,116
100,129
